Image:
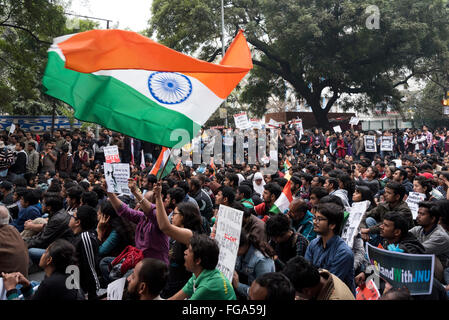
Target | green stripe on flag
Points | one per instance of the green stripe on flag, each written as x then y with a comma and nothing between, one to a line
167,170
111,103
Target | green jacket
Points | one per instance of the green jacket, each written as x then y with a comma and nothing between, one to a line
378,214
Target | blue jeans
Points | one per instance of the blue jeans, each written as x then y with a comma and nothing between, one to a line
374,238
35,254
3,173
105,265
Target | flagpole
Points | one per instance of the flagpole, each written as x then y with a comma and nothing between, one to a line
223,51
165,164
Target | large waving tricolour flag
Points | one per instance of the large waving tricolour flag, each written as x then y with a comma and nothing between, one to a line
131,84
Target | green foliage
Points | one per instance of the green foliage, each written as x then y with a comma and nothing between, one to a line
27,28
315,46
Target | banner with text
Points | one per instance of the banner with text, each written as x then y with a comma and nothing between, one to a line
241,121
414,271
354,121
370,144
37,124
229,226
111,154
386,143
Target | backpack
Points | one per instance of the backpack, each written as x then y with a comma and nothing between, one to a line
126,260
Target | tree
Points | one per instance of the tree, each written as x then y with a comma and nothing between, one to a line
27,28
316,46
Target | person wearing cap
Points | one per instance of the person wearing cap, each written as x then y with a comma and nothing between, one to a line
7,192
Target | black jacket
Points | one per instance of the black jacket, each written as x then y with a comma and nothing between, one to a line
56,228
204,203
410,244
20,165
86,245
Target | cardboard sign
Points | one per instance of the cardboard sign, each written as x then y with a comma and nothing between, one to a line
398,162
414,271
370,144
356,212
241,121
386,143
273,124
256,124
229,226
413,199
115,289
117,175
368,292
337,129
354,121
111,154
12,129
2,290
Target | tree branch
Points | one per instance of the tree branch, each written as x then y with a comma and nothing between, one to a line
26,30
267,67
332,100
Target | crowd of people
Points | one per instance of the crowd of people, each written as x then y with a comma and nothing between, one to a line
56,213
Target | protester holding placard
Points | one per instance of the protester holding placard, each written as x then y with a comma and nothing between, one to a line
396,237
185,222
148,236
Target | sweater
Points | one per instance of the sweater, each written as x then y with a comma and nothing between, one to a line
435,242
13,251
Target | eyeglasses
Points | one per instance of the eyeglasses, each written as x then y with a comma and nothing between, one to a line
319,219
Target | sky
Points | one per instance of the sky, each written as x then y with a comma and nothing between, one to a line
132,14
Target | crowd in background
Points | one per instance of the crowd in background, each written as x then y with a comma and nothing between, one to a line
56,212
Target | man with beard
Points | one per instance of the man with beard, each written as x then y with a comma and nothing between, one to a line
295,188
147,280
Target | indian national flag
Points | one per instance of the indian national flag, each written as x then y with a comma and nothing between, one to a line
284,200
164,156
287,164
133,85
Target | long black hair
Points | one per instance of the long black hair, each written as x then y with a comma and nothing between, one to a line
117,223
191,216
367,194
